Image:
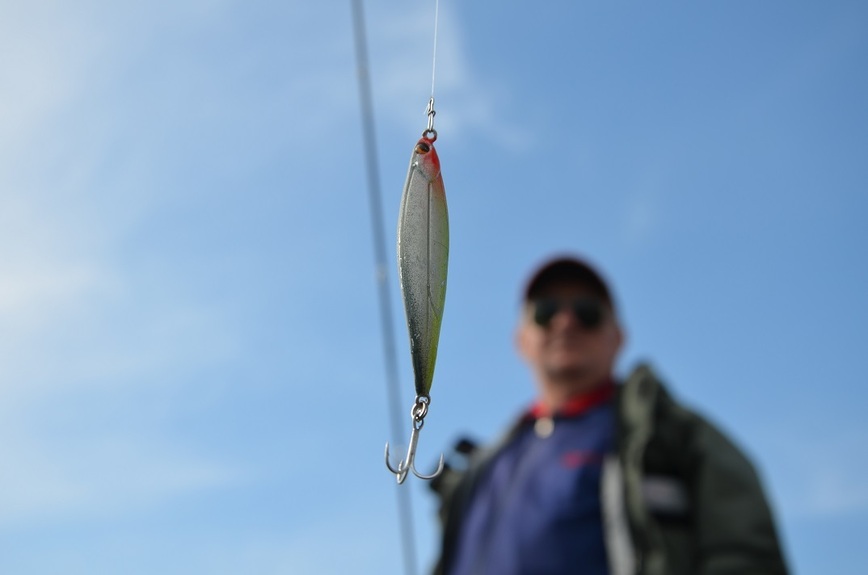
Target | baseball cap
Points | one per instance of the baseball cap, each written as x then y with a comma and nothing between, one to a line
568,268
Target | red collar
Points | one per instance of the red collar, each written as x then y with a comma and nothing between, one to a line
578,404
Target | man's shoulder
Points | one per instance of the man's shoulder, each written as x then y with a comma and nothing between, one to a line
644,396
650,414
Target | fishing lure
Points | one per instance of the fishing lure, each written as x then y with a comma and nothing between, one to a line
423,255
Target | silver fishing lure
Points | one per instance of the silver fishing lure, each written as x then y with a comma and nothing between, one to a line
423,256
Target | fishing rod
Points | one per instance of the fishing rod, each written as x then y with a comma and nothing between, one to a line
393,393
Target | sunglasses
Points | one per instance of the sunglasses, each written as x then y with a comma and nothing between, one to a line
588,311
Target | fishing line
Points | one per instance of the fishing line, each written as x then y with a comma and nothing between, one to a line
434,58
393,392
430,131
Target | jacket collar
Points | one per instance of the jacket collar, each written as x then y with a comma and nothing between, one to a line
577,405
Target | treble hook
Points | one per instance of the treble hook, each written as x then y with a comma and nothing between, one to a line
420,409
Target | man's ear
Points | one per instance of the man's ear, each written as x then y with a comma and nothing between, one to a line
520,338
621,335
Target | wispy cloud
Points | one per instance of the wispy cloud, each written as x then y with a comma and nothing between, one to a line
641,217
55,480
77,317
831,480
468,101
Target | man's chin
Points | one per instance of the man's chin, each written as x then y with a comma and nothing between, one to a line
569,372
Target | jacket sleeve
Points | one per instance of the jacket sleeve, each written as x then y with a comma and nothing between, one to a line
735,532
725,526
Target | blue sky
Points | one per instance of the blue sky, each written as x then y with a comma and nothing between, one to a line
192,378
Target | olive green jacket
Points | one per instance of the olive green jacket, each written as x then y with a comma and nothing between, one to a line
678,497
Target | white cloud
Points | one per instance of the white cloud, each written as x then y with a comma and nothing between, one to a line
51,481
641,217
833,478
74,187
76,319
367,545
45,52
836,491
821,476
466,101
30,294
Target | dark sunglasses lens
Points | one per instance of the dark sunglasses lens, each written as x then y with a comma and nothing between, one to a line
543,311
590,313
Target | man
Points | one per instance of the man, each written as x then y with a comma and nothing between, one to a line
600,477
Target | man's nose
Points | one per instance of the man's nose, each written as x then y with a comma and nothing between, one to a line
565,318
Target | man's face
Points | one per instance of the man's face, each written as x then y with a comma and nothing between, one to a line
570,346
